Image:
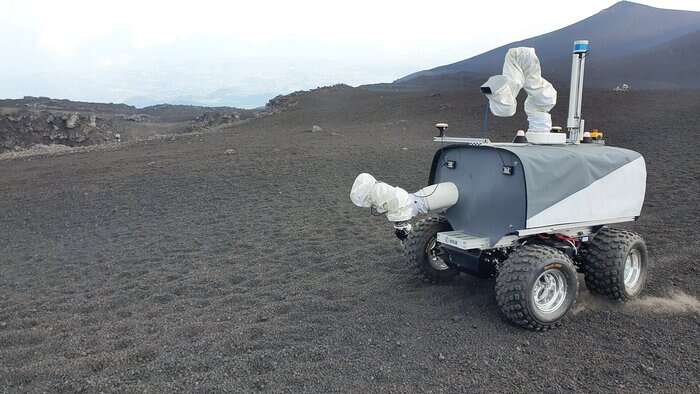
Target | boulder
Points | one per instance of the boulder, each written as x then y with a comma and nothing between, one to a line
72,121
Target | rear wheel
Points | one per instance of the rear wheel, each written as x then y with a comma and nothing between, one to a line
536,286
616,264
421,250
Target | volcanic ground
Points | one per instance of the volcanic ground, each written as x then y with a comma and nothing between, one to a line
234,261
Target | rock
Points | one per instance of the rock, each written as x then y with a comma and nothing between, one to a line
137,118
92,120
72,121
80,138
316,129
441,357
230,151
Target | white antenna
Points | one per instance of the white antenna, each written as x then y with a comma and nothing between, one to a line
575,123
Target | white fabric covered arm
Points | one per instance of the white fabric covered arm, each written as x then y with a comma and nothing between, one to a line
521,70
398,204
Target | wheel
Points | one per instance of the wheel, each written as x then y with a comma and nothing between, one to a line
421,251
616,264
536,286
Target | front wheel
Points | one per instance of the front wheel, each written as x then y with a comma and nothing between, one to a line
536,287
421,250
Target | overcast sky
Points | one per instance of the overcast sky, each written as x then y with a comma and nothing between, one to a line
161,50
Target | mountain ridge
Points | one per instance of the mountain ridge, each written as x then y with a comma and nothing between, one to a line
623,30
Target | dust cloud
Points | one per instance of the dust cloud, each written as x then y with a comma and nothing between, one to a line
674,302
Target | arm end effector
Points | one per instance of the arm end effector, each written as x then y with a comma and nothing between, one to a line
399,205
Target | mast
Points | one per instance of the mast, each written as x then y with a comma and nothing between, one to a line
575,124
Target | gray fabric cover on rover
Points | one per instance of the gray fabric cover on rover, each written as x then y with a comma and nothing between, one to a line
548,185
550,167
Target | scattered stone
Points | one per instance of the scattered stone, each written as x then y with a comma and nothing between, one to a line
230,151
316,129
404,148
137,118
72,121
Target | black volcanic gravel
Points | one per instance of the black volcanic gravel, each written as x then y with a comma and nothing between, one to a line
178,266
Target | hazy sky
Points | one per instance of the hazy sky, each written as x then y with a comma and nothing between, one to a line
163,50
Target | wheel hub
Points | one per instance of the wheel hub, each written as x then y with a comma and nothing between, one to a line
633,270
434,258
549,291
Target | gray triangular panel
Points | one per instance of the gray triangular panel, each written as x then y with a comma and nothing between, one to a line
553,173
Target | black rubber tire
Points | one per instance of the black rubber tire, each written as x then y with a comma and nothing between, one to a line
415,245
604,264
517,277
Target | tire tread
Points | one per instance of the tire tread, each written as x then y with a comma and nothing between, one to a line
511,294
604,260
414,249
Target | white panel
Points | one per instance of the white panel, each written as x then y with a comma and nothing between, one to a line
618,194
462,240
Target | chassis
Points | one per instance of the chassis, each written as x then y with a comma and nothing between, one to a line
536,274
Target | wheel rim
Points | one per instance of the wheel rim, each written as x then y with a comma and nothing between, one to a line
435,261
549,291
633,270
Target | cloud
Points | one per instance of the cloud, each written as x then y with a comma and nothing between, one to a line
200,46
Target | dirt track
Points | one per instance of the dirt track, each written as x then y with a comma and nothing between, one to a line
172,265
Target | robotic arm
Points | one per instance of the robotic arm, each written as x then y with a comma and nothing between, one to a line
521,70
399,205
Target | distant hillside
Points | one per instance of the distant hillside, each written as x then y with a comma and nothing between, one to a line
162,112
670,65
642,38
42,121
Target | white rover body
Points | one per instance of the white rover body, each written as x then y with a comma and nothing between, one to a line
532,212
